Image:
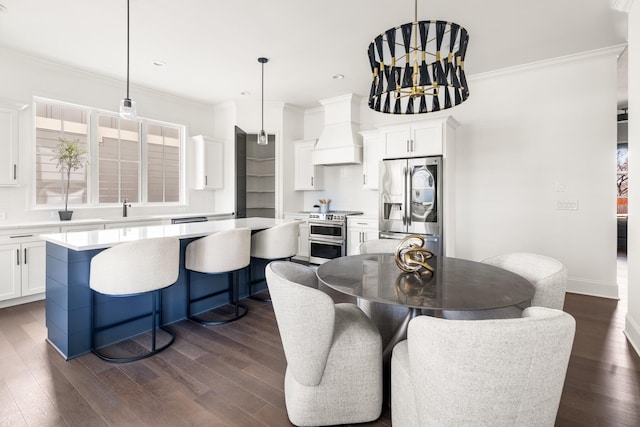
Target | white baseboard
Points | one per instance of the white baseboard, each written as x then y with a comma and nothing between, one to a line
593,287
632,331
21,300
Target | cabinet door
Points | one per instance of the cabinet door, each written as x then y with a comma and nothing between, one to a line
10,271
304,170
209,163
8,146
303,241
426,140
34,260
354,238
372,151
396,143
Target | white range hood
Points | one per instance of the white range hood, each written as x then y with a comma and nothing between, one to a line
339,142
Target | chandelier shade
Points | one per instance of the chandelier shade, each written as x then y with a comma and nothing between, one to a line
418,68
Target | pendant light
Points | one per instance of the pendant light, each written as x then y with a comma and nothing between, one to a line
410,73
262,137
127,106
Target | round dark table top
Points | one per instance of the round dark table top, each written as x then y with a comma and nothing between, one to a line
456,284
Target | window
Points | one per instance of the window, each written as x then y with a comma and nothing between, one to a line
54,122
623,176
118,160
163,163
138,160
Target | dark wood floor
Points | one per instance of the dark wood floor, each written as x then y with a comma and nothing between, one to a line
232,375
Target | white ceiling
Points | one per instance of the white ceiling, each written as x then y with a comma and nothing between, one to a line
211,47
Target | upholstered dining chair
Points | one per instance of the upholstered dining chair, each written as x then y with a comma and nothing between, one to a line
333,351
497,372
547,275
379,246
275,243
133,268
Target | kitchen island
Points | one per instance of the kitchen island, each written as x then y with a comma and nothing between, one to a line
68,296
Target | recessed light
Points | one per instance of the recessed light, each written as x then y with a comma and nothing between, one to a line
245,93
338,76
160,64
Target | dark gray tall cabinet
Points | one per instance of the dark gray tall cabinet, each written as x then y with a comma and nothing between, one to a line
255,176
260,176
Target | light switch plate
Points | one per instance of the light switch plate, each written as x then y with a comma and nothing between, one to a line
3,216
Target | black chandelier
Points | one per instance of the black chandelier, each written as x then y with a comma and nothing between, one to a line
410,73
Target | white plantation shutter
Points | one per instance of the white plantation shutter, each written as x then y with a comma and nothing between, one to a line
140,160
163,163
52,122
118,159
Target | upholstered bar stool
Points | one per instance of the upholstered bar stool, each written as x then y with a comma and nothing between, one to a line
134,268
222,252
279,242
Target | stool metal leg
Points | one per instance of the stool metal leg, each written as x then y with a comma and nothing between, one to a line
234,298
155,297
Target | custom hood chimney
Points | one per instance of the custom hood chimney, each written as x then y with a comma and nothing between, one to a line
339,142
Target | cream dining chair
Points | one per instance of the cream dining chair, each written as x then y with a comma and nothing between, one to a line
497,373
333,351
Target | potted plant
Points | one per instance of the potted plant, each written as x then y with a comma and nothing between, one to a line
70,157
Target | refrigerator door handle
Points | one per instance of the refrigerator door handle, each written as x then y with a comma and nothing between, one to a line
409,189
404,202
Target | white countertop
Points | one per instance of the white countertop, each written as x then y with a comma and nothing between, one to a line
112,220
98,239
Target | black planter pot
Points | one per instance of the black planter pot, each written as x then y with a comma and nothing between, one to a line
65,215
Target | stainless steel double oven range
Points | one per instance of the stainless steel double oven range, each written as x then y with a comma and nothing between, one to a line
328,235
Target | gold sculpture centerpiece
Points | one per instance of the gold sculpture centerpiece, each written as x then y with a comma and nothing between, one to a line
411,255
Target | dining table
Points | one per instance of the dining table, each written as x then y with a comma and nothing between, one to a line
454,285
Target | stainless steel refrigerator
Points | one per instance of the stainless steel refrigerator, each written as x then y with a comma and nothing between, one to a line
411,200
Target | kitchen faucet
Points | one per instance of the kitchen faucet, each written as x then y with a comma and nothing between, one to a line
125,205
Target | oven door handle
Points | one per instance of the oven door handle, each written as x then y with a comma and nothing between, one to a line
326,240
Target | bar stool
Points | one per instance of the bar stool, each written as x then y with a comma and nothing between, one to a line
279,242
135,268
222,252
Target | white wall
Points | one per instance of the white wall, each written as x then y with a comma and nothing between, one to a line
529,137
632,324
22,77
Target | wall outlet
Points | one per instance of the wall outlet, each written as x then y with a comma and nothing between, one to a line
3,216
567,205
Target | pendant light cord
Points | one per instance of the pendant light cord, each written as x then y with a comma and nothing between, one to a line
262,95
127,49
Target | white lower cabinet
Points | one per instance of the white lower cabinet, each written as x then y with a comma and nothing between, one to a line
10,277
303,236
360,230
22,264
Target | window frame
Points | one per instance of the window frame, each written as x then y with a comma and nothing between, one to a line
93,195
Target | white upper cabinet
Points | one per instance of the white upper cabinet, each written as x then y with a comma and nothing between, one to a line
8,146
372,155
209,163
305,173
418,139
